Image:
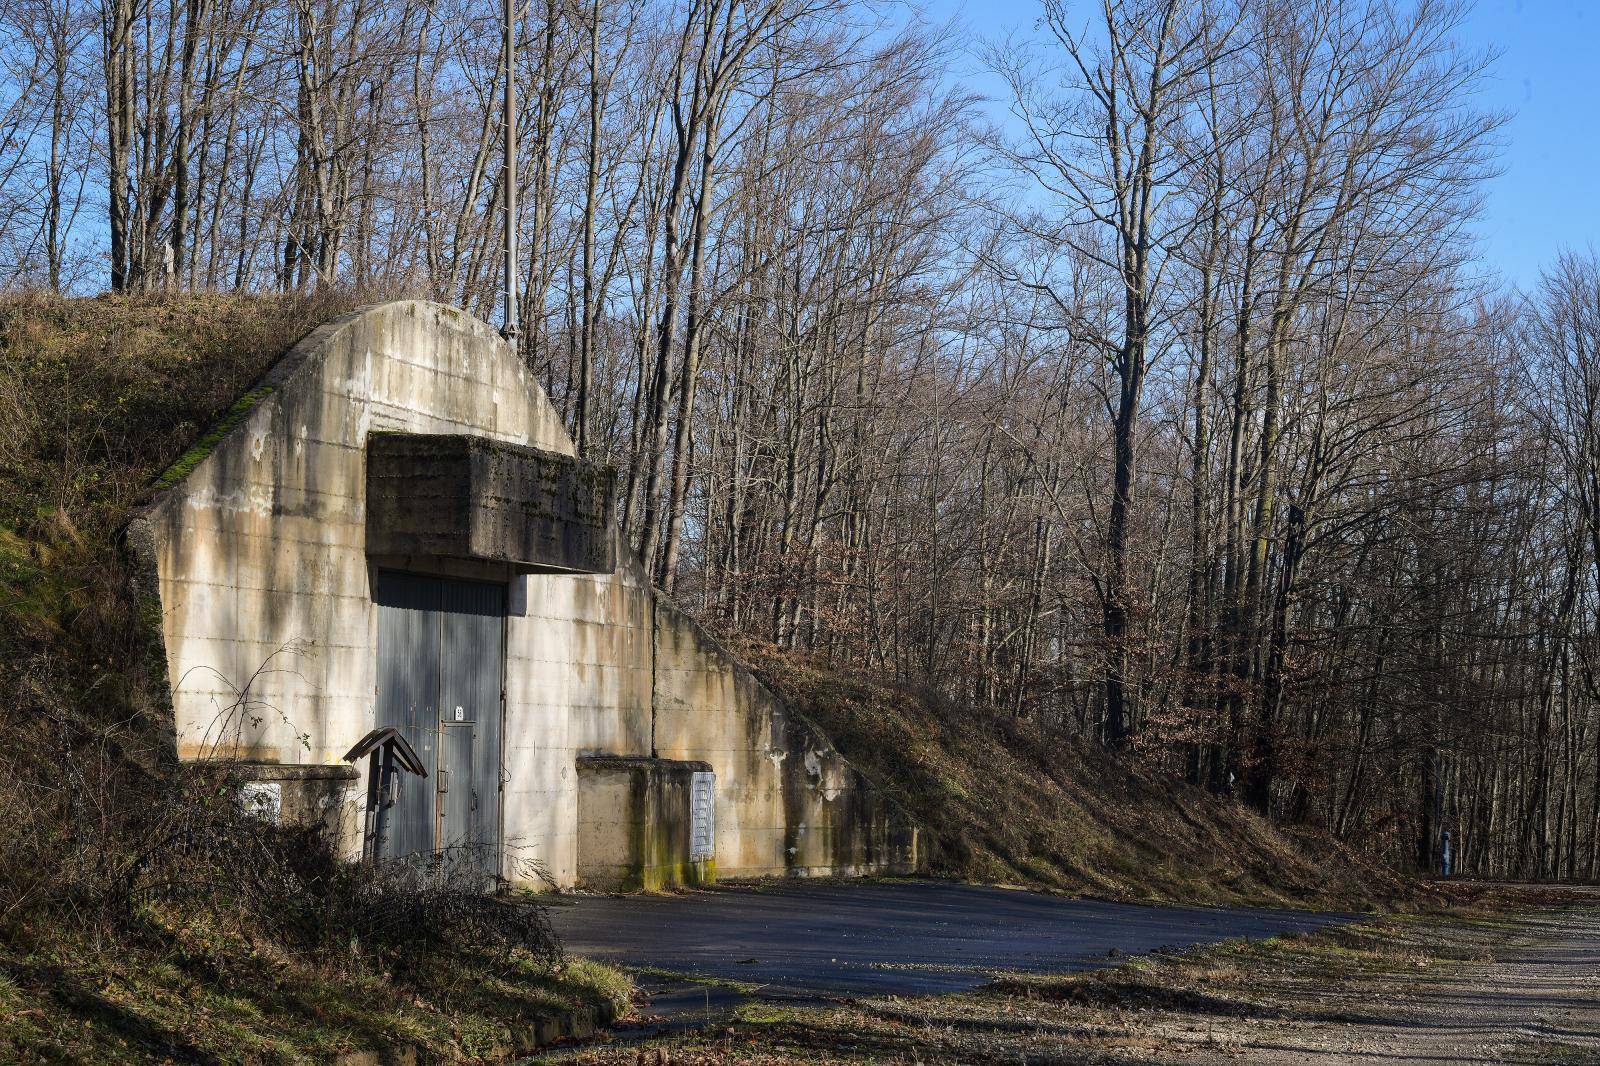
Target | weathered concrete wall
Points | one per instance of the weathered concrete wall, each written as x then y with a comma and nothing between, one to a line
258,549
306,794
787,802
264,576
634,825
468,497
580,666
263,572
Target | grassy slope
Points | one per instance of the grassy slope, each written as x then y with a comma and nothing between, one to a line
1009,804
206,996
97,398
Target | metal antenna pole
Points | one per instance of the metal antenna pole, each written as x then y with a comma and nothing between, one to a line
508,48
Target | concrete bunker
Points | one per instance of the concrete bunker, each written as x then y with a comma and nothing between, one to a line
391,528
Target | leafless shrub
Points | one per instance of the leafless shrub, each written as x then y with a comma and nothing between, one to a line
408,911
101,829
290,884
91,839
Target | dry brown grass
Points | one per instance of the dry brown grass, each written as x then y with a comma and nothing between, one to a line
142,913
97,396
1009,803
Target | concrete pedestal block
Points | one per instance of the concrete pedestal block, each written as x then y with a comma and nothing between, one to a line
304,795
635,830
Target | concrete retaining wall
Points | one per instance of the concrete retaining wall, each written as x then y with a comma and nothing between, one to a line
257,547
787,802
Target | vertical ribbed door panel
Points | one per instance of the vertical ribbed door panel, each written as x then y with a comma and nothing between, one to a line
440,656
408,697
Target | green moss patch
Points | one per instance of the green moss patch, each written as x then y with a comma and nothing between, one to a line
665,876
208,443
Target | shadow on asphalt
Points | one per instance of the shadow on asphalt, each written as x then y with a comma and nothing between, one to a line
825,940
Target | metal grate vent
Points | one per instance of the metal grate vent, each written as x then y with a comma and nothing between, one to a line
702,816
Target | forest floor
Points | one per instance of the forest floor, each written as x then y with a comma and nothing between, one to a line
1515,980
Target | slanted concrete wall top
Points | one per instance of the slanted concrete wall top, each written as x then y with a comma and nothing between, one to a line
788,802
258,550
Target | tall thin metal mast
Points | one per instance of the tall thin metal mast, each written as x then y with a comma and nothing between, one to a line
509,60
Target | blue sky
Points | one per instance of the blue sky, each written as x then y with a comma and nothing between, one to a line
1547,77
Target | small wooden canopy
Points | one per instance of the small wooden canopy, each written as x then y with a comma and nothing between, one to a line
388,735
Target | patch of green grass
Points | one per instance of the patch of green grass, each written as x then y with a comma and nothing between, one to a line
661,974
767,1013
220,996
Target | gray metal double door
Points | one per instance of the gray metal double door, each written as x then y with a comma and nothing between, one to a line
440,667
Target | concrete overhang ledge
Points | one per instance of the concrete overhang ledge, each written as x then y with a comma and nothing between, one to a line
602,763
461,496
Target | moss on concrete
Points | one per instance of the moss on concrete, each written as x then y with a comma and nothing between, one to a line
653,820
207,444
665,876
659,848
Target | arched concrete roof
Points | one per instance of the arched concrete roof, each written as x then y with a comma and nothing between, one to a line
252,548
398,330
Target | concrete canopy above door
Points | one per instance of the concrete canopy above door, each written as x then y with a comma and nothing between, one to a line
460,496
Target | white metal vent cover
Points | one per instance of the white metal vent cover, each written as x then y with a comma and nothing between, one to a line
702,816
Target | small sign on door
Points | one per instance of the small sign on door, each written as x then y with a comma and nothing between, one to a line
461,714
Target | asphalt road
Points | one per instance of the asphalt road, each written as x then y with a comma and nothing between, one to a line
895,938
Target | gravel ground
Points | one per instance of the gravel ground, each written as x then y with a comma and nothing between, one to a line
1538,1001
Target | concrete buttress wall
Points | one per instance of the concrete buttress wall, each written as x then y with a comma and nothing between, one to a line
787,802
258,549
